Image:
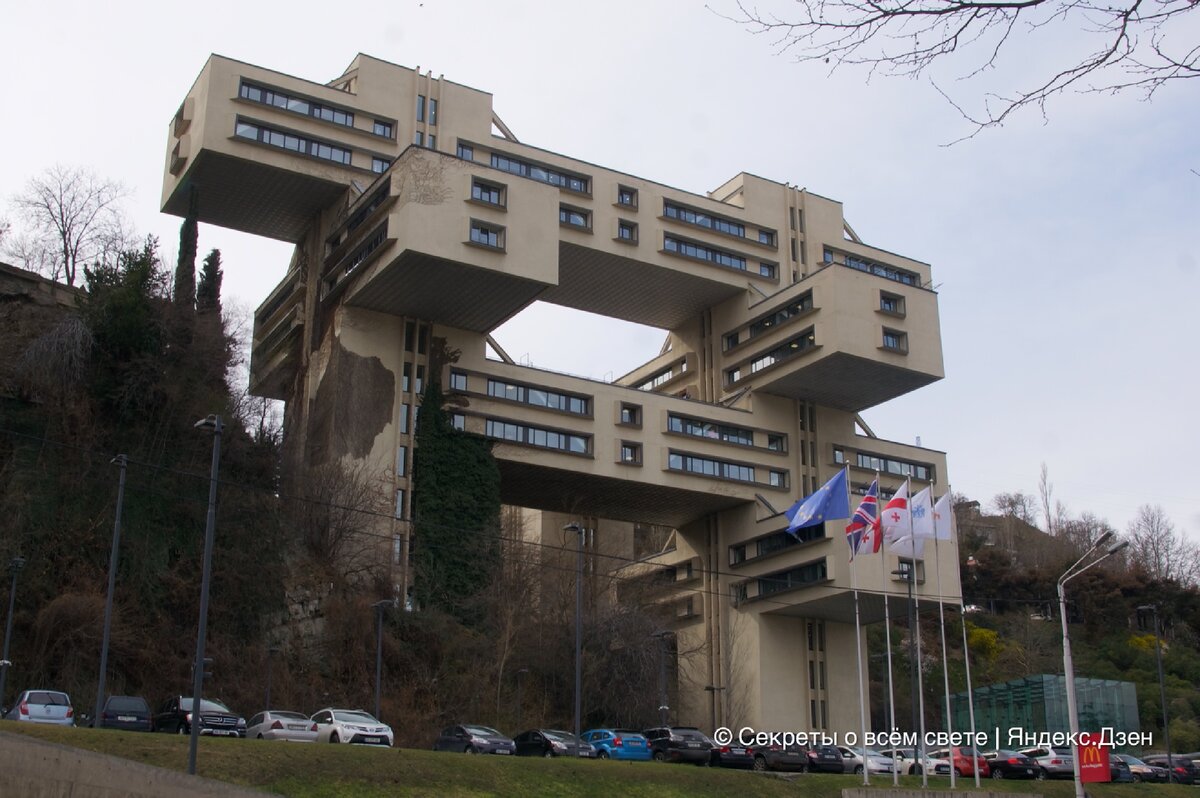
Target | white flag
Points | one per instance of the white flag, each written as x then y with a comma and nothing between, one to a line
943,519
921,508
894,518
907,547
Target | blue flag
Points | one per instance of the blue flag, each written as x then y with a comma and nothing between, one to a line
827,504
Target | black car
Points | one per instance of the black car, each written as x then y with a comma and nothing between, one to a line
175,716
125,712
1118,770
1182,769
1011,765
781,757
472,739
679,744
824,759
733,755
550,743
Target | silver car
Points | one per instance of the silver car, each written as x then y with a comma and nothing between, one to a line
852,761
1053,763
278,724
43,706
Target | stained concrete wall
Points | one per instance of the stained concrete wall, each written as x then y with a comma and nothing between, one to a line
33,768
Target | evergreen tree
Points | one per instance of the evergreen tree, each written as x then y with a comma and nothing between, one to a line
208,294
185,268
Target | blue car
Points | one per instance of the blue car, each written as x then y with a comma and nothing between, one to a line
618,744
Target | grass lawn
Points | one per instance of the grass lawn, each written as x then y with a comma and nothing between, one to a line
326,771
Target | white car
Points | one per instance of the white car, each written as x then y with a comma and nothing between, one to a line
351,726
277,724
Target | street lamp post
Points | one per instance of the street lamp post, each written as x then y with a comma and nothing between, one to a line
121,462
379,606
520,673
213,424
1162,690
271,651
578,530
664,702
909,575
1068,664
15,565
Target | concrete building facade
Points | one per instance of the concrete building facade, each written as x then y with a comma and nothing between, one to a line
419,218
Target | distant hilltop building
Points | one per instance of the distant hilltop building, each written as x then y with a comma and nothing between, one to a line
419,218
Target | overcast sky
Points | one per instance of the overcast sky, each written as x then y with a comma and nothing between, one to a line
1065,252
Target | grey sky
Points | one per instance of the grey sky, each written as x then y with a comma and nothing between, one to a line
1066,254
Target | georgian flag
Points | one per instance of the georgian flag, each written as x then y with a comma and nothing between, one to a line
894,518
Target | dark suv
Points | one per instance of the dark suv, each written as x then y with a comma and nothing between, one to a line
175,715
126,712
1184,770
679,744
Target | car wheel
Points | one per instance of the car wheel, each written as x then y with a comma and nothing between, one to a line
183,729
603,754
997,774
659,756
805,768
858,770
760,763
470,749
915,770
548,754
259,736
1042,775
333,738
1137,779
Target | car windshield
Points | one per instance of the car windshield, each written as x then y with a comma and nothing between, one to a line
560,736
354,717
1132,760
122,703
689,734
1062,751
627,732
288,715
482,731
48,697
206,705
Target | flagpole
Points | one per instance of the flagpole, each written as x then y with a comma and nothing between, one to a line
912,574
862,704
962,614
937,563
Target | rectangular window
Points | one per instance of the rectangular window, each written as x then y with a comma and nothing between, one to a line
574,217
891,303
777,479
537,436
382,128
402,461
297,105
627,196
487,235
432,142
708,467
406,377
708,429
691,249
400,503
420,107
807,574
631,453
458,421
420,383
701,219
839,455
655,381
293,143
490,193
631,415
775,442
890,465
543,174
466,152
410,336
731,340
403,418
379,165
419,139
806,340
458,381
422,346
766,237
871,267
539,397
627,231
768,323
767,269
895,340
432,112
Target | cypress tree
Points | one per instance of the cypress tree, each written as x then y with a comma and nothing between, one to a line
185,268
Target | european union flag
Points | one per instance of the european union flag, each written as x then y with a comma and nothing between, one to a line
828,504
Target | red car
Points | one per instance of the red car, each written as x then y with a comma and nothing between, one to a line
964,760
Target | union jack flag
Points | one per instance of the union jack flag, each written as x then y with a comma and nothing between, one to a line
862,535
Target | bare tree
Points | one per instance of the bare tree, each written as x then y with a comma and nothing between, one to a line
1046,494
337,518
1162,550
1130,45
1016,505
72,218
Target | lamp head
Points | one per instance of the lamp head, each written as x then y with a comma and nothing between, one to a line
211,421
1116,547
1100,541
17,563
572,527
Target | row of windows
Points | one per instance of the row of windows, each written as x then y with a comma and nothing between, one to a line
795,577
299,105
879,269
707,429
691,249
805,340
700,219
536,436
290,141
487,235
419,139
537,172
886,465
769,323
538,397
770,544
721,468
659,378
365,249
574,217
360,216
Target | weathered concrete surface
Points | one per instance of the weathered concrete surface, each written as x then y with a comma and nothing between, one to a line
31,768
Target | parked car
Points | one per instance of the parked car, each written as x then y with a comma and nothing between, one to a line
618,744
175,715
43,706
781,757
280,724
1181,769
351,726
964,760
1053,763
1118,769
469,738
1005,764
906,762
853,760
124,712
732,755
552,742
1143,771
679,744
824,759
